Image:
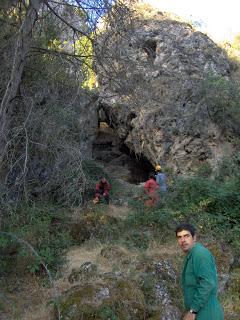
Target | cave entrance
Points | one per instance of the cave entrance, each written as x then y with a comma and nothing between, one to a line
117,158
139,166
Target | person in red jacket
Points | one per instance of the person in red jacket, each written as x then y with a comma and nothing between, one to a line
151,188
102,190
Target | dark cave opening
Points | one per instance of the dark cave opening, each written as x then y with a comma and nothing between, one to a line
140,167
150,47
116,157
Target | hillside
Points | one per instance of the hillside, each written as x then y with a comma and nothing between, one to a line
124,262
81,100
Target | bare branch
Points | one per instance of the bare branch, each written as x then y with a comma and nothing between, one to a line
66,22
19,61
57,52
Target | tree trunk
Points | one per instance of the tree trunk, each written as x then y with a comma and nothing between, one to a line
19,60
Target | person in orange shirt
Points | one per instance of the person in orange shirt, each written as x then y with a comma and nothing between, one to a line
151,188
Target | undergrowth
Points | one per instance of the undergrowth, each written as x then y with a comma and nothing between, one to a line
32,236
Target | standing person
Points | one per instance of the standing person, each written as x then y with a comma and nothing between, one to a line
102,189
161,178
199,277
151,189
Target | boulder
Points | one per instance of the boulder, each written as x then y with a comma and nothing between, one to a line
112,299
152,97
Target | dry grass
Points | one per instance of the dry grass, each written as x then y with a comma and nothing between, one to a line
28,300
118,212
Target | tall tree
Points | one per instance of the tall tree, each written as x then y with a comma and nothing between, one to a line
48,58
23,43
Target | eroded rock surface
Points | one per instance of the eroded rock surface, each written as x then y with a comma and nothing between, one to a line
154,103
146,294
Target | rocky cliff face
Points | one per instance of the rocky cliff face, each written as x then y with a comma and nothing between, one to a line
150,91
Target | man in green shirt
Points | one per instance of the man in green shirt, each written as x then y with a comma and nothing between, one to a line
199,277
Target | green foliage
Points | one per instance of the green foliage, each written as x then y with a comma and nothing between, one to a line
108,312
149,218
229,168
147,283
84,48
205,170
96,224
145,224
136,239
222,97
212,204
233,52
39,227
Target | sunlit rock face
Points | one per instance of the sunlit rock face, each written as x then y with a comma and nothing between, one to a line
150,91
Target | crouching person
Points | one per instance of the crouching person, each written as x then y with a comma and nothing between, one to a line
102,191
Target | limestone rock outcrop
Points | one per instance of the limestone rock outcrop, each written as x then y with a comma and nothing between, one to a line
150,91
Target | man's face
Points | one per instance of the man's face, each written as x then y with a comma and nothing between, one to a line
185,240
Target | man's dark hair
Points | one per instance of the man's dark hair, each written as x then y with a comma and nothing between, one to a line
186,226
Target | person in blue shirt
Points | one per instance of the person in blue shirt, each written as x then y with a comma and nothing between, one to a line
161,178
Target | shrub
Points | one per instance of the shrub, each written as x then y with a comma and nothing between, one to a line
212,204
222,97
38,228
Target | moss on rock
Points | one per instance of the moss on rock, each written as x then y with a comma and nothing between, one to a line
91,224
224,257
113,299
